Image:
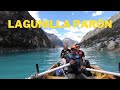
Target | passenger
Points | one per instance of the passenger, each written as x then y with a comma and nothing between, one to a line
80,52
74,70
64,56
65,51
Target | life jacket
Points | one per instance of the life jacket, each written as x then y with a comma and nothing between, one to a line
76,58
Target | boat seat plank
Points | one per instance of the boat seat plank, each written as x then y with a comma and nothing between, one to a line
58,77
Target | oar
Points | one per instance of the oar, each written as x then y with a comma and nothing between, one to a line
51,70
88,69
101,71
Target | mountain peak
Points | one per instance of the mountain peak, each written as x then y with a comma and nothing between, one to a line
69,41
54,39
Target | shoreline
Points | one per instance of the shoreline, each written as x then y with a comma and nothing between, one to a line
117,49
8,50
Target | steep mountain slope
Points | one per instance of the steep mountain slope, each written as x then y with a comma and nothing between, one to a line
54,40
104,38
20,38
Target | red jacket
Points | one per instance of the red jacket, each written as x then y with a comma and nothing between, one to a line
81,53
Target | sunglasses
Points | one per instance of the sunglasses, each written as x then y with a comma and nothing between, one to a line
72,49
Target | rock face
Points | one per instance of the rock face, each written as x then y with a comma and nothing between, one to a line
20,38
69,41
114,18
107,38
54,40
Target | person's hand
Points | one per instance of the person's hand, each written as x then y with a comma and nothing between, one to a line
83,67
72,62
83,61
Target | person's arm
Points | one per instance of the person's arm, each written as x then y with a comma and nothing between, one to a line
72,61
61,55
83,56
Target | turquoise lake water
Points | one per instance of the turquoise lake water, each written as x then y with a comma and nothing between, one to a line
19,65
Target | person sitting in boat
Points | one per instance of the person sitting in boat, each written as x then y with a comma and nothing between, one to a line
80,52
74,70
86,63
65,51
64,54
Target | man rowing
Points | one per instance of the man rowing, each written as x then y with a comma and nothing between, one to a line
74,70
85,62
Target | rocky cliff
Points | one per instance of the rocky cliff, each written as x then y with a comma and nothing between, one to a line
69,41
108,38
55,41
20,38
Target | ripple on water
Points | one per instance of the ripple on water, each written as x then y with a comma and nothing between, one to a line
19,65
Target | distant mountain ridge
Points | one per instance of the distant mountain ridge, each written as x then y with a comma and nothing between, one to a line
69,41
55,41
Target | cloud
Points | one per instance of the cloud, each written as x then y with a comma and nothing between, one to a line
86,30
108,18
73,36
53,31
61,23
44,19
72,13
35,14
72,29
77,36
97,13
76,33
83,30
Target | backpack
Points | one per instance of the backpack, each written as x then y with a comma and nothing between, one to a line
59,72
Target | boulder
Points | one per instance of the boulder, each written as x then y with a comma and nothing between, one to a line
111,38
111,45
117,41
106,43
99,45
103,39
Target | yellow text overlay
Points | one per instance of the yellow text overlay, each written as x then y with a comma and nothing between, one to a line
49,24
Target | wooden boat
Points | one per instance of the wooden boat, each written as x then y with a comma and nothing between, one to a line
52,75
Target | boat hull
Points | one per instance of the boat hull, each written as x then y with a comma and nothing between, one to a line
95,75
